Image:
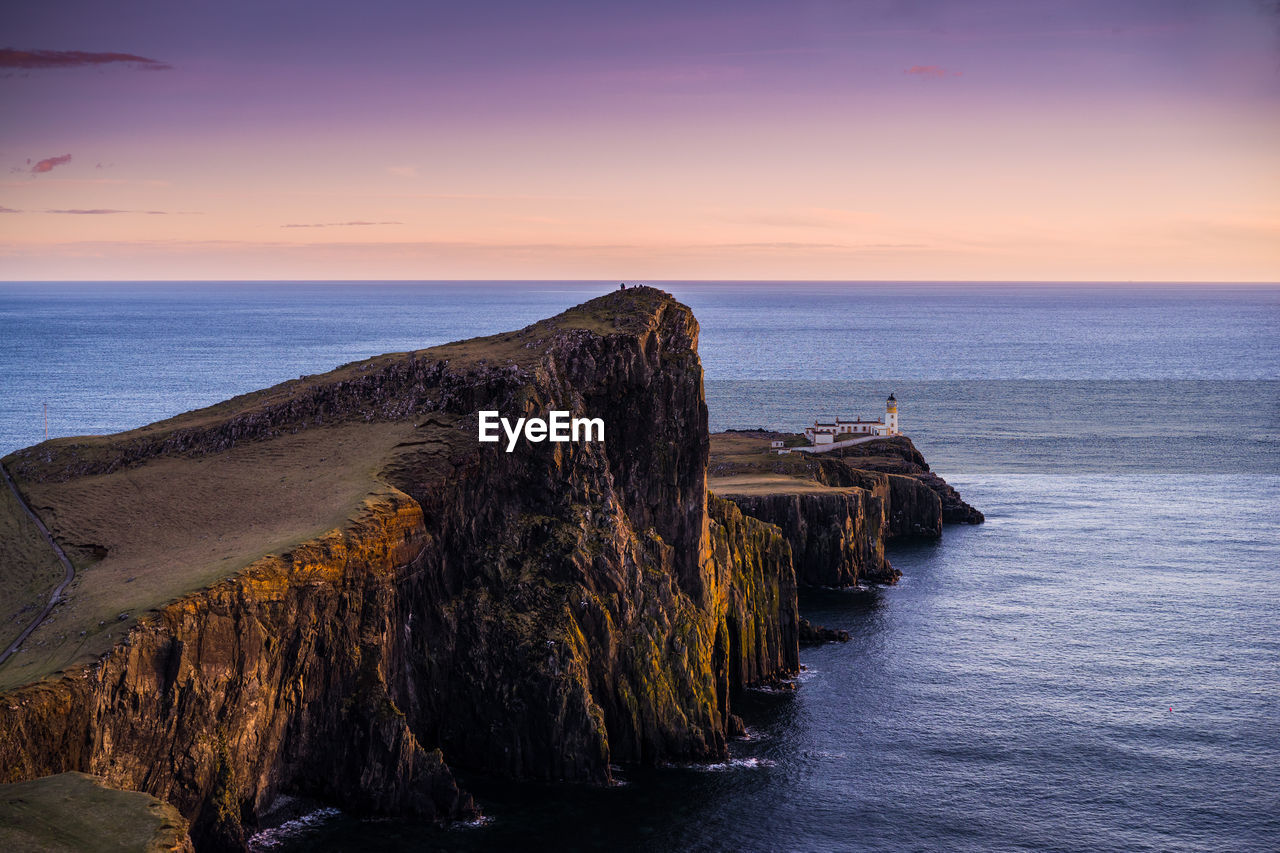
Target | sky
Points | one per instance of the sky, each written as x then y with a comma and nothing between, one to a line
1025,140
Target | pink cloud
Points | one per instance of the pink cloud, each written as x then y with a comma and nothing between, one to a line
104,211
49,163
932,72
11,58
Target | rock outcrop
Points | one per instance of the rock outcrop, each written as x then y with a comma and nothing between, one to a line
539,614
837,536
837,511
915,510
910,507
897,455
816,635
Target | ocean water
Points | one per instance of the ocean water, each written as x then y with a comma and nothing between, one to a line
1097,667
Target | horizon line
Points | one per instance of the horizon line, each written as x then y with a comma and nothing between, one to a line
596,281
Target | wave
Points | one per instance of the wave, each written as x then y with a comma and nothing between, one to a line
278,836
722,766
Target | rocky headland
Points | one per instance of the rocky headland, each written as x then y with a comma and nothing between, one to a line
329,588
837,510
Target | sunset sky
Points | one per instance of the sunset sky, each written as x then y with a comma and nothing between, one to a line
990,140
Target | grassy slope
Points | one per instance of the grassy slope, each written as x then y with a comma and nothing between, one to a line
74,812
766,484
173,525
176,524
28,566
742,463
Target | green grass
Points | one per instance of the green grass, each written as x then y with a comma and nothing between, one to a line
29,568
766,484
174,525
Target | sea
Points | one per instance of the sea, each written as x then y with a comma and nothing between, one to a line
1097,667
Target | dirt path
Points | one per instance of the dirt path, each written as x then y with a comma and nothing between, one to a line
825,448
56,595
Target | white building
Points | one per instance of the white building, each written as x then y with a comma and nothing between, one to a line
829,432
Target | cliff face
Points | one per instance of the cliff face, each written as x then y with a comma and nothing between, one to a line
273,680
837,536
915,510
899,456
761,621
579,586
538,613
911,508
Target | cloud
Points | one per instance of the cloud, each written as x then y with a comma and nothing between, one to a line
106,211
29,59
48,164
335,224
403,171
4,209
931,72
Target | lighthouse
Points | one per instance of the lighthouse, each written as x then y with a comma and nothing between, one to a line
840,432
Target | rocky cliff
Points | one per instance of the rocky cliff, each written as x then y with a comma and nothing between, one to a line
761,621
837,511
911,507
898,456
273,681
541,613
837,536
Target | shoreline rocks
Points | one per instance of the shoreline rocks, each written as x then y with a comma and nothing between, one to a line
816,635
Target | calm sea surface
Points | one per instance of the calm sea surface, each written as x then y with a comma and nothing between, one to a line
1097,667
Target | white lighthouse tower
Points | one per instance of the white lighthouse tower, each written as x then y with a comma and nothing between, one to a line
891,416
